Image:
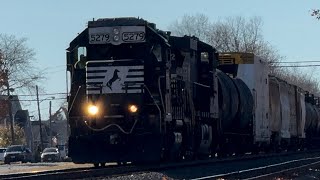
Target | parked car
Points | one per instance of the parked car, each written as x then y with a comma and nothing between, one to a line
50,154
16,153
63,152
2,151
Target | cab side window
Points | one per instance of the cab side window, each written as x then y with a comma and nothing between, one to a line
80,58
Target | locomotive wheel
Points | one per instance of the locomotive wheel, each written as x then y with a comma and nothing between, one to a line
96,165
175,156
256,150
221,154
221,151
189,155
202,156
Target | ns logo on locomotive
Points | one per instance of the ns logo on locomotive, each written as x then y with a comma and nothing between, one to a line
139,94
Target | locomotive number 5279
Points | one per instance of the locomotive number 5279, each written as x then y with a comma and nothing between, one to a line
99,38
133,36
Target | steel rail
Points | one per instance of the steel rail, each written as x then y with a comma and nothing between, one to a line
285,170
239,172
112,170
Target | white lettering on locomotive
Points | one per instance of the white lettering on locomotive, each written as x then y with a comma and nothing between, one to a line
114,79
117,35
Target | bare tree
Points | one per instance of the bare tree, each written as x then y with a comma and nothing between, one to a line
303,79
17,64
316,13
232,34
197,25
238,34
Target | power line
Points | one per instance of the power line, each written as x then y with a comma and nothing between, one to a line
299,62
45,108
53,67
51,72
46,94
36,100
309,65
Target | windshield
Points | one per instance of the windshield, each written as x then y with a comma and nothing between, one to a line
50,150
105,52
2,150
14,148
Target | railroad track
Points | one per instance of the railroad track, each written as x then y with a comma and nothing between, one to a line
266,171
113,170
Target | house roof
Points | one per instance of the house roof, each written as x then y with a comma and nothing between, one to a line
15,105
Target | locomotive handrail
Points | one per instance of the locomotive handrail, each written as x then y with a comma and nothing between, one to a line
74,99
116,125
119,127
162,103
154,101
199,84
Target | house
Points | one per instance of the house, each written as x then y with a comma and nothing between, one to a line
20,117
35,126
59,126
4,108
59,130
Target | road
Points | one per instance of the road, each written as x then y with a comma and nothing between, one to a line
14,168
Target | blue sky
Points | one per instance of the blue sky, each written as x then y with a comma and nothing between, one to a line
51,25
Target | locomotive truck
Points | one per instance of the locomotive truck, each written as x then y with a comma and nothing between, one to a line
139,94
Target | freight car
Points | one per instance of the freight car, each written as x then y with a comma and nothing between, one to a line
140,94
287,113
312,124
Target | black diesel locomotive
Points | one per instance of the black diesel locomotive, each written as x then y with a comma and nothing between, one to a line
139,94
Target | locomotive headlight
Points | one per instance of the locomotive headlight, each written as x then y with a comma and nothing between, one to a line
116,38
133,108
93,110
116,31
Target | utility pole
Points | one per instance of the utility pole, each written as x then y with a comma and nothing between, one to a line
10,109
41,141
50,124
